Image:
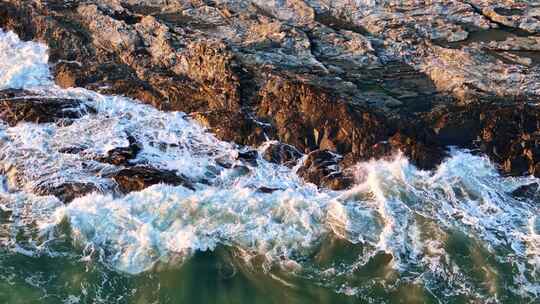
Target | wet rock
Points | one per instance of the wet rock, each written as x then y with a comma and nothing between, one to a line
267,190
140,177
507,133
282,154
66,192
530,191
248,156
312,117
322,168
122,155
420,152
362,79
71,150
233,126
516,165
18,106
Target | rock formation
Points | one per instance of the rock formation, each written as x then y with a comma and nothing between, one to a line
354,79
18,105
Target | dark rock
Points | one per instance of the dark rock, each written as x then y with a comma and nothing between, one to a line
508,134
233,126
122,156
536,169
224,162
140,177
456,128
19,105
322,168
283,154
248,156
424,155
66,192
71,150
311,117
516,165
267,190
530,191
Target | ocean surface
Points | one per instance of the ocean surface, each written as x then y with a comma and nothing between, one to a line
400,235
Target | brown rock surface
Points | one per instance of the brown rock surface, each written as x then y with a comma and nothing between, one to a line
17,106
360,79
322,168
137,178
66,192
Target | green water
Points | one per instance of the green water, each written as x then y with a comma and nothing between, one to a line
206,278
61,275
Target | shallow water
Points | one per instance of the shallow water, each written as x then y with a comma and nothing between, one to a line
401,235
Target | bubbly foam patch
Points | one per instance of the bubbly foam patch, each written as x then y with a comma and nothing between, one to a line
163,221
22,64
415,216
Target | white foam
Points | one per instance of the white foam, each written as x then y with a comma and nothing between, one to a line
465,194
22,64
162,221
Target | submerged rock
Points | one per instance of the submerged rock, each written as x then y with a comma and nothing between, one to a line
66,192
530,191
248,156
18,106
282,154
322,168
139,177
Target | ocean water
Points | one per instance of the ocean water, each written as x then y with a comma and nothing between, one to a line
400,235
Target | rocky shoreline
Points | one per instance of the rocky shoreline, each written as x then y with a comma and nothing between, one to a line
342,82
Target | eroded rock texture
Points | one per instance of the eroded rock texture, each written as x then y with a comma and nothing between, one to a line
360,79
18,106
139,177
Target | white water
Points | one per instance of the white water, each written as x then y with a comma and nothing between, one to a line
394,208
22,64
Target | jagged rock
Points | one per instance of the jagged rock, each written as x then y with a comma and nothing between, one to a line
359,78
139,177
66,192
423,155
248,156
310,117
122,155
233,126
322,168
508,133
473,74
20,105
516,14
529,191
283,154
